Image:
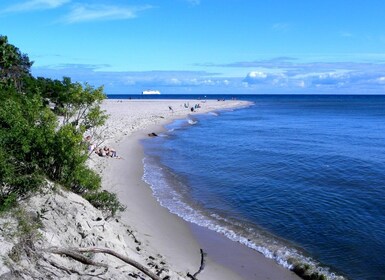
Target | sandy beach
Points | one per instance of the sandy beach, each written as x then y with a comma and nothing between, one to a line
162,232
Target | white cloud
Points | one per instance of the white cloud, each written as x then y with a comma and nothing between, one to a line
175,81
280,26
158,78
194,2
301,83
34,5
272,79
257,75
79,12
85,13
334,78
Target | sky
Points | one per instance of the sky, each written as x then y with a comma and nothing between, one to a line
204,46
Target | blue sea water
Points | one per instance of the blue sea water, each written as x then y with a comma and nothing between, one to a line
294,177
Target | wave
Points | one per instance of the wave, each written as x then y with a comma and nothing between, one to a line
213,113
181,123
191,121
171,192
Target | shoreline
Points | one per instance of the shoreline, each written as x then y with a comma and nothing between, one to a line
169,235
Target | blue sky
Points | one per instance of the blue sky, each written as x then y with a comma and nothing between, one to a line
204,46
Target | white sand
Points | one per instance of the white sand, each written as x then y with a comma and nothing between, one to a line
162,232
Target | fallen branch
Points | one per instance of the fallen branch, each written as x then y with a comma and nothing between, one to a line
127,260
69,270
202,266
133,236
75,254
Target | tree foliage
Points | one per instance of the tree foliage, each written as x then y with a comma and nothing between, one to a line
42,123
14,65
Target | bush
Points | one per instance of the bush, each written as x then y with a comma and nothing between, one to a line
7,202
16,182
85,180
105,201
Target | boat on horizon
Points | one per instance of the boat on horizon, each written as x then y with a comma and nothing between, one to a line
151,92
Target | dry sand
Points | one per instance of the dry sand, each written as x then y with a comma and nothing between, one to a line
162,232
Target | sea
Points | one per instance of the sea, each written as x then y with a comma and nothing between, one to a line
299,178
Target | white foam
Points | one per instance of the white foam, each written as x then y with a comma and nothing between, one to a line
272,248
192,122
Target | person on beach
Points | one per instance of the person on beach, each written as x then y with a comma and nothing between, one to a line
100,152
110,152
91,146
107,152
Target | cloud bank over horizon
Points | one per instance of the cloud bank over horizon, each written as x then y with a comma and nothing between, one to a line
278,75
348,77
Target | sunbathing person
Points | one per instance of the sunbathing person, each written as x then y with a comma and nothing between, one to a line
100,152
109,151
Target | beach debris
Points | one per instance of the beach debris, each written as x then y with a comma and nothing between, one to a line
76,254
130,232
202,266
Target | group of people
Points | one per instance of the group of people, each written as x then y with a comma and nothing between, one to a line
106,152
102,152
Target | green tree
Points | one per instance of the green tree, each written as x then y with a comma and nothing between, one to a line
14,65
24,128
80,105
42,122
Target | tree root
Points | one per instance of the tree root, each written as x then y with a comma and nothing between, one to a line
75,253
202,266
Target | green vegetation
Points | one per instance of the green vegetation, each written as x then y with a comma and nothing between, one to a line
105,201
42,123
26,234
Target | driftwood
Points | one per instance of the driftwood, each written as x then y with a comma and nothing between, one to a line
75,253
70,271
130,232
202,266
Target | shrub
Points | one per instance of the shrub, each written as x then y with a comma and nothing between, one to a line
85,180
7,202
105,201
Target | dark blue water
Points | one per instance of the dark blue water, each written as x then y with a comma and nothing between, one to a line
298,178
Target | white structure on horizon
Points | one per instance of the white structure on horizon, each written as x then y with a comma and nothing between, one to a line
151,92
